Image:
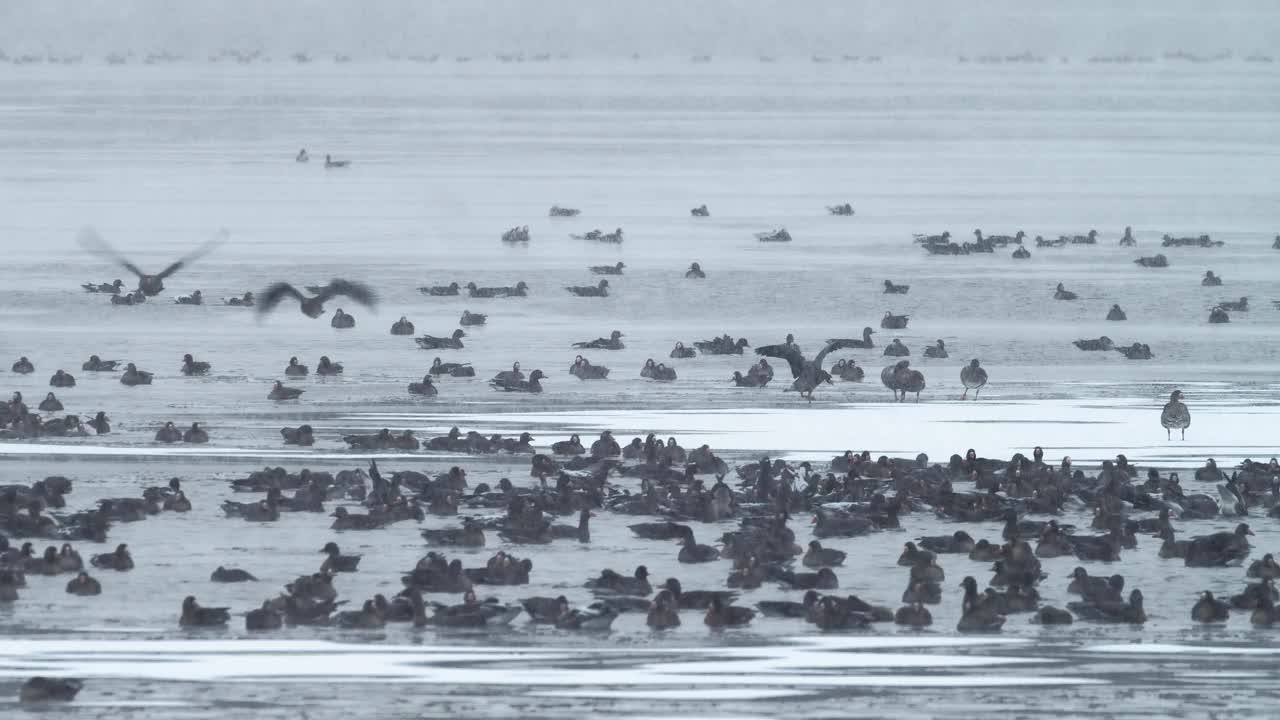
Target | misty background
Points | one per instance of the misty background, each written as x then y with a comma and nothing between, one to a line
371,28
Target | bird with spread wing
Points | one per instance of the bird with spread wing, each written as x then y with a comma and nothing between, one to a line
150,285
313,307
808,374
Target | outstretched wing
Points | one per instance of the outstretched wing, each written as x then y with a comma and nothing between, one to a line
90,240
785,352
832,346
204,249
272,296
359,292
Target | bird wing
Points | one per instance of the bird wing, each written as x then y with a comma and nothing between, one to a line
784,352
204,249
90,240
832,346
272,296
359,292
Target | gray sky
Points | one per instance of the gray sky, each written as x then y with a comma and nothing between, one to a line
652,27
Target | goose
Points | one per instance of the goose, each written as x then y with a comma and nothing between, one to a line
937,351
695,272
149,285
893,322
1210,280
599,290
1116,314
1064,294
313,307
973,377
191,366
452,342
97,364
1175,416
700,211
532,385
892,289
402,326
439,367
470,319
808,375
280,392
613,342
193,615
441,290
331,164
557,211
195,298
1101,343
896,349
615,269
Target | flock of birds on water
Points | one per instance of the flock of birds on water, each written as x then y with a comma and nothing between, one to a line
856,495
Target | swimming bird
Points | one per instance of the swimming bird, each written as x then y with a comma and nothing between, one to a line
891,289
1064,294
557,211
864,344
62,379
119,560
231,575
50,404
431,342
150,285
1102,343
402,326
1155,261
1127,239
1210,280
441,290
1209,609
1218,316
700,211
1116,313
779,235
133,376
680,352
973,377
302,156
1022,253
819,557
195,435
191,366
1175,415
613,342
439,367
83,585
808,375
1136,351
331,164
584,370
469,318
193,615
341,320
195,298
615,269
280,392
1220,548
896,349
1241,305
520,289
97,364
695,272
516,235
893,322
599,290
937,351
111,288
844,209
1111,611
750,380
532,385
41,689
313,307
335,561
426,388
848,370
23,366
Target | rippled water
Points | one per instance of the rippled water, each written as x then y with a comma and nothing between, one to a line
446,158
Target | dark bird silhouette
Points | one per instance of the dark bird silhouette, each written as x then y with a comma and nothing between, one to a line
1175,416
150,285
808,374
313,307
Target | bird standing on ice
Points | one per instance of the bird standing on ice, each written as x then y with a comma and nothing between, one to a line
1175,415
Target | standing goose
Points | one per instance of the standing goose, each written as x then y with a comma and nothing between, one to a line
974,378
1175,416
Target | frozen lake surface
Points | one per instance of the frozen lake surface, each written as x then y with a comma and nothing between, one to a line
445,158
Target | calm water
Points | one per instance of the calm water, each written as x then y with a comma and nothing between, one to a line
445,158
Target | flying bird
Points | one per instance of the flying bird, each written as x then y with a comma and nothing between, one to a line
313,307
150,285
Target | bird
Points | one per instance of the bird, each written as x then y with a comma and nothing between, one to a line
1175,416
150,285
599,290
973,377
193,615
808,374
191,366
1064,294
313,307
280,392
